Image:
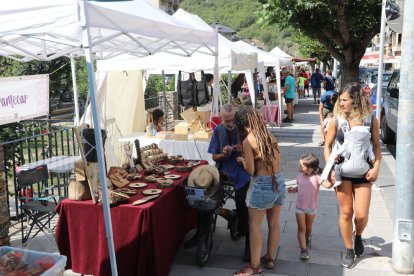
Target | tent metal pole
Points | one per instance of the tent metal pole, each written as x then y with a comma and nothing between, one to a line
99,146
164,96
229,86
279,91
255,87
381,62
75,89
403,241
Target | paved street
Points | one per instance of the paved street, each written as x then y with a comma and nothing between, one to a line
303,136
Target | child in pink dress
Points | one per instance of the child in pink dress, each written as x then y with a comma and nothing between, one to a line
308,181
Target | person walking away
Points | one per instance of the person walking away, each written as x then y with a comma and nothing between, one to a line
261,159
226,148
316,80
307,77
301,82
289,94
354,194
308,181
328,100
329,81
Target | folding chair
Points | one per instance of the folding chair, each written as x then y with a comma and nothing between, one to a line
36,201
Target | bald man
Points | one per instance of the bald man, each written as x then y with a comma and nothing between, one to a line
225,148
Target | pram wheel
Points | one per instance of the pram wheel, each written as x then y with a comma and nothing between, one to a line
205,239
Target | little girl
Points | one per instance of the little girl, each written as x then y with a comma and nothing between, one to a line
308,181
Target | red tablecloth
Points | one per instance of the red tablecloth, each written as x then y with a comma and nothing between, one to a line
146,236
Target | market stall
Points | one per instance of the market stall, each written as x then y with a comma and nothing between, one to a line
146,236
97,30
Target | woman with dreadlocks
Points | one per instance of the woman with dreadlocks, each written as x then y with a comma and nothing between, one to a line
261,159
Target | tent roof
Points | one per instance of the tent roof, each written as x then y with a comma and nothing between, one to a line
54,28
231,57
267,58
284,57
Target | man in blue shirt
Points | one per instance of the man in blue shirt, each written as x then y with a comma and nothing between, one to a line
225,148
316,80
289,94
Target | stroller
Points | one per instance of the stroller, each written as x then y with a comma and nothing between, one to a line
209,207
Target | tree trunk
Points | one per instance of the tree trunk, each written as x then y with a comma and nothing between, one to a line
4,207
349,73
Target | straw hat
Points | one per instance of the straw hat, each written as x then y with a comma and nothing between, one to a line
204,177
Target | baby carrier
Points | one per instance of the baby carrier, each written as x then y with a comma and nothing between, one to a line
355,148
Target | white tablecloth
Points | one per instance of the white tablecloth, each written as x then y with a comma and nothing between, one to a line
55,164
191,150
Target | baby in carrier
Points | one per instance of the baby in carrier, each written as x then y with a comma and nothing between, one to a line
354,156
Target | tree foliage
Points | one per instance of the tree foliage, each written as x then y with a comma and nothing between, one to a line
344,28
309,47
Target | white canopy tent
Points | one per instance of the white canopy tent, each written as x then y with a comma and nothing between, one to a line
44,30
231,57
285,59
266,59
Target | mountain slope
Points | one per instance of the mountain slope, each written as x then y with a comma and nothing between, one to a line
240,15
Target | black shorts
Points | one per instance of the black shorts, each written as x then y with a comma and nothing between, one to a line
288,100
361,180
306,85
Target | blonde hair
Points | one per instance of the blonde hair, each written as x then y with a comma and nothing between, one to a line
361,104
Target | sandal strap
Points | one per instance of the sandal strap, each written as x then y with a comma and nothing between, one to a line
250,270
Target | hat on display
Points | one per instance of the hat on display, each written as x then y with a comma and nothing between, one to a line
204,176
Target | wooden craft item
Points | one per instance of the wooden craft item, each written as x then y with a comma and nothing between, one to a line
189,115
172,176
165,135
117,177
203,133
138,185
158,157
128,151
180,137
151,191
145,199
90,169
114,197
181,128
164,183
79,190
80,174
152,146
127,191
132,177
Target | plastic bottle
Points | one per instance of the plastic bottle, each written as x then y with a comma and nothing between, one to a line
148,129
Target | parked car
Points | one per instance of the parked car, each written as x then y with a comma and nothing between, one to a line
371,79
363,71
373,96
390,109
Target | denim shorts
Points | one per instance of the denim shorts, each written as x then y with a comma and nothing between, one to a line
261,195
308,211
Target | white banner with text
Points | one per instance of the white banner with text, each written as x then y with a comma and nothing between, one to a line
23,98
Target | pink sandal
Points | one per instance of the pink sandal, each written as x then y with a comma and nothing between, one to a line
267,262
249,270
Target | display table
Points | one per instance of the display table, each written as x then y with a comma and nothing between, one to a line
55,164
146,237
272,114
191,150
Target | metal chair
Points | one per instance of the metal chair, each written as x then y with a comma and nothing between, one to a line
37,201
